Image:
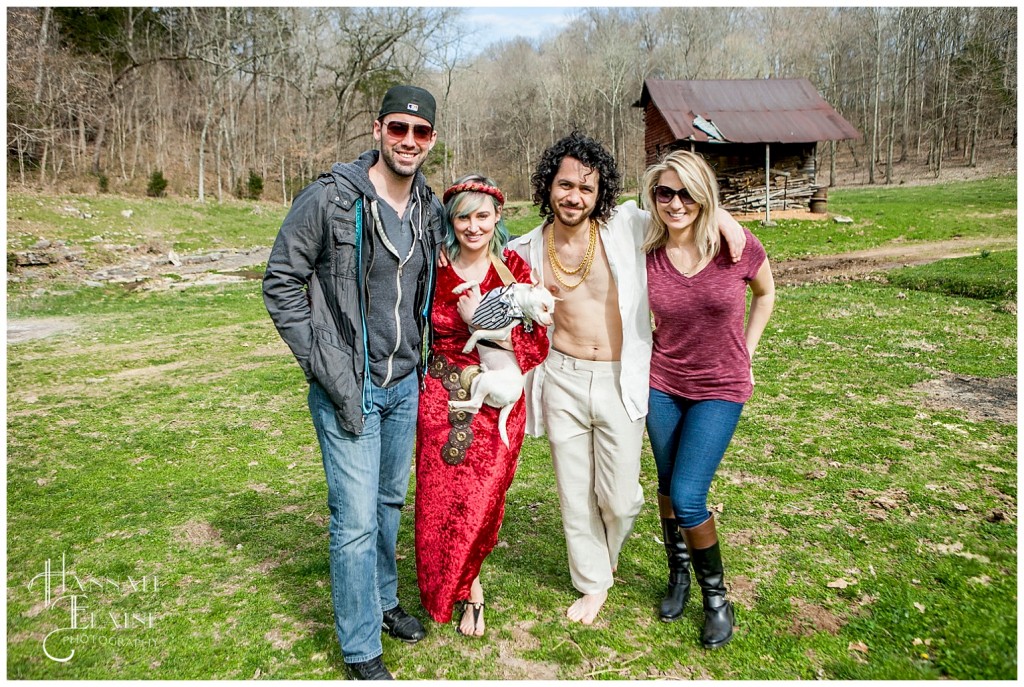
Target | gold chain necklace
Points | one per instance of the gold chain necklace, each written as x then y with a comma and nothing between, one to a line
585,264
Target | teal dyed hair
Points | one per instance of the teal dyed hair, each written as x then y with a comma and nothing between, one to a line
466,203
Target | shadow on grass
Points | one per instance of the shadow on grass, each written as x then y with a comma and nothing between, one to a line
285,540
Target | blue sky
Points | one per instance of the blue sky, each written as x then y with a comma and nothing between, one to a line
502,23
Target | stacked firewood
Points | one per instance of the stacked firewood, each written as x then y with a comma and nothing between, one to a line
742,190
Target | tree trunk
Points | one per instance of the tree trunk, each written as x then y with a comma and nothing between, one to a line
284,184
889,148
894,83
44,30
82,146
42,163
216,160
160,120
909,84
21,160
122,144
832,145
975,133
98,151
72,143
873,153
202,153
137,146
941,142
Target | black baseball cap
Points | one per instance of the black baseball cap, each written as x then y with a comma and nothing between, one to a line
409,100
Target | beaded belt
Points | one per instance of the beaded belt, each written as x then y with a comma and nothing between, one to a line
460,436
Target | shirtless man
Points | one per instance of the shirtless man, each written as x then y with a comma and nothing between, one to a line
591,393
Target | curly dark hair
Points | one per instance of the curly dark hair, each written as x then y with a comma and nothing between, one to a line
593,155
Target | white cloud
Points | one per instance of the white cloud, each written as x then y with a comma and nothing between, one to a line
495,24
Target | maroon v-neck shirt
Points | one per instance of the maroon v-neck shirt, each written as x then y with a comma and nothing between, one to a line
699,349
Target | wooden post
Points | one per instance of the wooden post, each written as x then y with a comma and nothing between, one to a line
767,184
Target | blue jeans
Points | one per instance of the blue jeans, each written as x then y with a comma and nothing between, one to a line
688,439
367,479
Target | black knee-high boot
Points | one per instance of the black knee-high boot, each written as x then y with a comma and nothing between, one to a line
706,556
674,603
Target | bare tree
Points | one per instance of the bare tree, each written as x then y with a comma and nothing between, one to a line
286,91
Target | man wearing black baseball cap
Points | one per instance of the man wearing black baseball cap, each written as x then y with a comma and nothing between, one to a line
410,100
348,286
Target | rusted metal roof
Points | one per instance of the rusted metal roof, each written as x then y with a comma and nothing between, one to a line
747,110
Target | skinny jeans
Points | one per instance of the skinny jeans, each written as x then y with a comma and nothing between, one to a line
689,439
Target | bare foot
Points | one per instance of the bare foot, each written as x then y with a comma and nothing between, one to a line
472,624
587,607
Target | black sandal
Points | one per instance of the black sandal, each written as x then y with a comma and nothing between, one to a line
478,608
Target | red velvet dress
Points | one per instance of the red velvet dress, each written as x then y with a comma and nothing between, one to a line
459,508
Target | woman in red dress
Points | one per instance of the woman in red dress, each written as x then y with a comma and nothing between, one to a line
463,468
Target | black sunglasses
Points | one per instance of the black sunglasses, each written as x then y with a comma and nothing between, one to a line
421,133
664,195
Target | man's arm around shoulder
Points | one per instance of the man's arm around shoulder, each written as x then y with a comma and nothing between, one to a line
521,244
732,233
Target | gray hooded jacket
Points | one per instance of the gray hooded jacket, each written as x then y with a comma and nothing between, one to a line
316,284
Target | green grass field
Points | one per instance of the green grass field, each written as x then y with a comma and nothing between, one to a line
868,513
910,214
987,275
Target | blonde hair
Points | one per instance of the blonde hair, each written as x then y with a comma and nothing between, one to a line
465,203
699,180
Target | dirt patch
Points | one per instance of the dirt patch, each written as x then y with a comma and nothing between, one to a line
743,590
678,672
518,668
954,549
979,398
521,637
198,534
812,618
149,372
739,537
261,488
266,565
740,477
287,631
280,640
878,504
846,266
37,328
512,666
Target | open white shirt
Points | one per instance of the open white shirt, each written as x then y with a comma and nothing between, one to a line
622,235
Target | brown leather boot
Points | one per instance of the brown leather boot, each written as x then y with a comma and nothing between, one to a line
706,557
678,594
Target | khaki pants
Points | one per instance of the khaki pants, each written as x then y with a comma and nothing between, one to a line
595,449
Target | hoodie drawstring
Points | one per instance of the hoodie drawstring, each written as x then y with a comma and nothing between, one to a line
367,399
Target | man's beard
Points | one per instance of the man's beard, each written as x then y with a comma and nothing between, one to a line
562,215
388,156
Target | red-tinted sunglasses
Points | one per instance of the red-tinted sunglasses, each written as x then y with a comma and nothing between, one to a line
664,195
421,133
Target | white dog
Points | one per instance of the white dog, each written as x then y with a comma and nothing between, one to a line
500,382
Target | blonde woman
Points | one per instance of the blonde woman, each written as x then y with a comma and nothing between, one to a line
700,369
